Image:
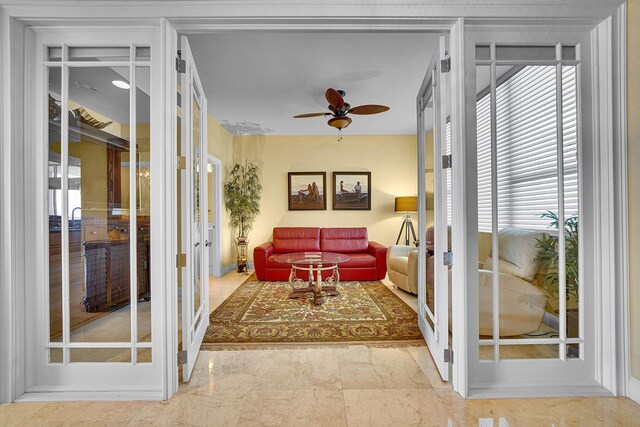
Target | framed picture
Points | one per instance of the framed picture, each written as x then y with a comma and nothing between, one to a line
352,191
307,191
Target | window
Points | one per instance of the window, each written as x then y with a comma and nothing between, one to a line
527,158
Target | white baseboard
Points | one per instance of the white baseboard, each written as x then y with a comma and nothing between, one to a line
633,389
227,269
232,267
56,396
551,390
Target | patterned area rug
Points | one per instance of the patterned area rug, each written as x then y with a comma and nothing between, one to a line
261,313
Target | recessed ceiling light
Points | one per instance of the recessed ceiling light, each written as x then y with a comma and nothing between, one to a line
121,84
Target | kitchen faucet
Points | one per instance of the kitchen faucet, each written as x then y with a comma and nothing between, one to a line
73,212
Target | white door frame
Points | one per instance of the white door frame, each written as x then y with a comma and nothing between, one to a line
390,16
215,268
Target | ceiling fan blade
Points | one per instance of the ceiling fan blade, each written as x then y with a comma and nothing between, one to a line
334,98
302,116
368,109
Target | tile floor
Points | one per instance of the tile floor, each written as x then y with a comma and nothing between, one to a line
353,386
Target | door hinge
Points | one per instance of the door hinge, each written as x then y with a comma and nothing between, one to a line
182,358
447,258
448,355
181,162
181,260
445,65
181,64
447,161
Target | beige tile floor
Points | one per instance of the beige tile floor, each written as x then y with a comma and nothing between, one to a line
353,386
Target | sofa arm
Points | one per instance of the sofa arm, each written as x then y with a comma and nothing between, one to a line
412,271
380,253
260,255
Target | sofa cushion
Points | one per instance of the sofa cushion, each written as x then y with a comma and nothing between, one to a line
516,253
344,240
296,239
398,263
359,261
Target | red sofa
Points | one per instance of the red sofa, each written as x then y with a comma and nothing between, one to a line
367,259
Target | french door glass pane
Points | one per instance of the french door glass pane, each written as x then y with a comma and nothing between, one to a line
112,355
430,208
54,203
143,202
527,181
99,259
197,253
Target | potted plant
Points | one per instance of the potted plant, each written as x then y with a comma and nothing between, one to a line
548,254
242,192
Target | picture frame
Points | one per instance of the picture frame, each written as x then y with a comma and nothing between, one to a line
352,191
307,191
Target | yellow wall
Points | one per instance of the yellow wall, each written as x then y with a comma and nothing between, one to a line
220,145
391,159
633,137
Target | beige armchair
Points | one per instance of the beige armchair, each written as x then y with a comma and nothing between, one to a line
522,302
402,267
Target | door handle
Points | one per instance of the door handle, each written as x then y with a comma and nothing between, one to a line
196,244
207,243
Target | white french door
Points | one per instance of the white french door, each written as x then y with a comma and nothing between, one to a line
433,215
94,327
532,321
195,286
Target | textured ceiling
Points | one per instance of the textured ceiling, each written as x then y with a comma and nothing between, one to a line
255,82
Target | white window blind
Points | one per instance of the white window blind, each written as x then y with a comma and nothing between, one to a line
527,161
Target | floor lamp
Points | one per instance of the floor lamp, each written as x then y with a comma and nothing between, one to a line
406,205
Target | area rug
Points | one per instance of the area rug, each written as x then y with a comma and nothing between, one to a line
260,313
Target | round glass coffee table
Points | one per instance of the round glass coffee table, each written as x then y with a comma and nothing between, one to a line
314,263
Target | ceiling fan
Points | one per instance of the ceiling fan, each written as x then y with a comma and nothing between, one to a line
340,109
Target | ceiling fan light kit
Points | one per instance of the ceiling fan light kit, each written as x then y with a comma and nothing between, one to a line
340,109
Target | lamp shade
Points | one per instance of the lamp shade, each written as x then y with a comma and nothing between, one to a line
407,204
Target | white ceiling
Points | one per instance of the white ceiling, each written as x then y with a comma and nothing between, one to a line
256,82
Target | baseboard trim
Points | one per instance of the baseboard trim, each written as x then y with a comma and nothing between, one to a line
633,390
550,390
56,396
227,269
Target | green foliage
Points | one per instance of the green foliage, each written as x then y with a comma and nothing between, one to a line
242,197
548,254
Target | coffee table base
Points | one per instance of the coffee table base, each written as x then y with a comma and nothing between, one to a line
317,288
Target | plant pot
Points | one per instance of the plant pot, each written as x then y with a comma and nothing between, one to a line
241,261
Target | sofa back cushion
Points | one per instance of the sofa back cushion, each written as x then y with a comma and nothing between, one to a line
344,240
296,239
517,253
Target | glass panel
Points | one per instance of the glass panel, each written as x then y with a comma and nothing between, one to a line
79,53
197,253
533,351
112,355
568,52
99,294
486,352
571,206
529,53
55,355
143,355
54,203
143,202
527,176
143,53
430,208
484,156
54,53
483,52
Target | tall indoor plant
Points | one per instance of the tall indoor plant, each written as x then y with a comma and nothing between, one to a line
242,192
548,254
